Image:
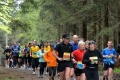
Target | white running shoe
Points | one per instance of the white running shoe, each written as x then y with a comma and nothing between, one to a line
30,69
46,73
33,73
39,76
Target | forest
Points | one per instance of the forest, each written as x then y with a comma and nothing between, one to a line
25,20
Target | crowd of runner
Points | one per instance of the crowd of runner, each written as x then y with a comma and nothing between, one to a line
72,60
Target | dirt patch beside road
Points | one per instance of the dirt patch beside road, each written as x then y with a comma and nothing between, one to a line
18,74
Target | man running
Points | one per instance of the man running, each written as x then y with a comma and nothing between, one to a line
75,42
109,54
15,50
33,53
75,47
64,50
7,52
46,47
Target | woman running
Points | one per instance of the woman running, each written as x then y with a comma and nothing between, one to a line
51,62
91,58
79,67
42,62
26,57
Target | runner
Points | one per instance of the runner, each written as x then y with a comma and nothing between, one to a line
36,43
15,49
75,42
109,54
75,47
29,57
46,48
33,53
86,45
51,62
7,53
79,67
26,57
20,57
91,58
42,62
64,50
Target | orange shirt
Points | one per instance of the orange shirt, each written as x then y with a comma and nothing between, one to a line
48,56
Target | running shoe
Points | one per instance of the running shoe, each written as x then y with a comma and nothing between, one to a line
33,73
41,76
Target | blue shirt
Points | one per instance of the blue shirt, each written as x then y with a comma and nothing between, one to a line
74,45
15,50
106,51
40,55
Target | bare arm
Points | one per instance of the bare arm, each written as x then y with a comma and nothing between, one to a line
54,54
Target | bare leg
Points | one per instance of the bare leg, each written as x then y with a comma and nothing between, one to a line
62,75
110,76
67,73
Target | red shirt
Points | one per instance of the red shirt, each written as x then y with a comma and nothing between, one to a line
78,54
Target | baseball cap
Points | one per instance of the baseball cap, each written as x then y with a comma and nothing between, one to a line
66,36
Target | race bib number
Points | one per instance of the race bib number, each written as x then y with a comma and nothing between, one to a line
7,53
80,65
94,59
34,53
66,56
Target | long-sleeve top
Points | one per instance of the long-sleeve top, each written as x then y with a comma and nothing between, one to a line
50,59
92,54
40,55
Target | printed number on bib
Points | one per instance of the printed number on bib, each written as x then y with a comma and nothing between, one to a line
80,65
66,56
94,59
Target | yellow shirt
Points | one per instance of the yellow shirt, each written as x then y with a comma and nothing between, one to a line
47,48
34,50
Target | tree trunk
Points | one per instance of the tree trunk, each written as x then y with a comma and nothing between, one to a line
99,29
119,22
84,32
106,24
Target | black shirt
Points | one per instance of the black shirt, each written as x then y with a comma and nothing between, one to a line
61,48
7,51
86,58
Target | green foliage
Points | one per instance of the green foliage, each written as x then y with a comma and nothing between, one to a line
117,70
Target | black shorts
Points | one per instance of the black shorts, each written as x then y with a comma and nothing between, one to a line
26,60
7,57
106,66
63,64
78,72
